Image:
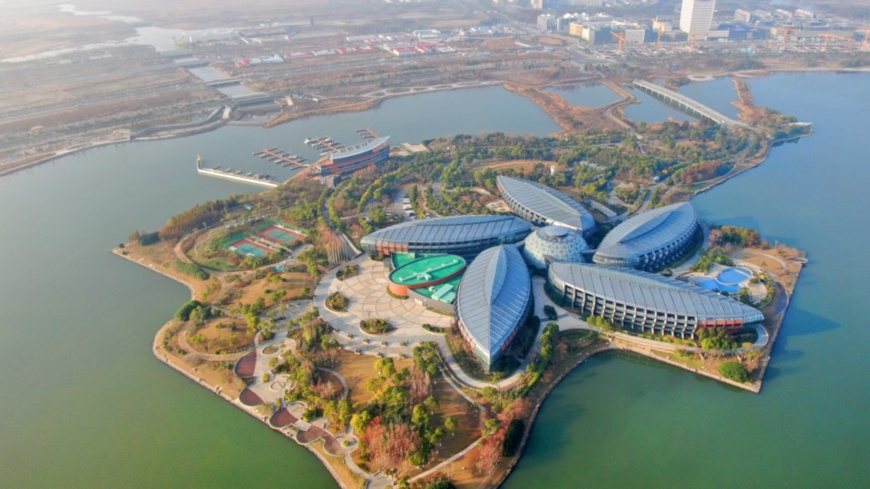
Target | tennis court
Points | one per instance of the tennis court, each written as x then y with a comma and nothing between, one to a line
249,248
278,233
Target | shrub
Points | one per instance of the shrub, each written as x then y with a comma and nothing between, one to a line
375,326
734,371
192,269
183,314
146,239
337,302
512,438
550,312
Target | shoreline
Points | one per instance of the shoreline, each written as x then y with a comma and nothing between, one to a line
501,474
610,344
157,346
369,104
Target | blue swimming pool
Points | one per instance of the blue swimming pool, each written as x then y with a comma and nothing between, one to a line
710,283
734,276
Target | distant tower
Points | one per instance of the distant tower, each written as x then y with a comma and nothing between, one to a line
537,4
696,17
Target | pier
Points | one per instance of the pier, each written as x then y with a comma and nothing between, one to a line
279,156
228,174
367,134
686,104
325,144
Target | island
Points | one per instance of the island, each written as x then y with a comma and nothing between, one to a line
405,313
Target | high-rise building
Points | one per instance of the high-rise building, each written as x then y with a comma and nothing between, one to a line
696,17
546,22
537,4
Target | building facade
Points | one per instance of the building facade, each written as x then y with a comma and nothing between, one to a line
651,240
544,206
465,236
354,158
696,17
493,302
647,302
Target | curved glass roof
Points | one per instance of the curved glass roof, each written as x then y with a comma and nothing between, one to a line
454,229
554,243
648,231
651,291
493,296
555,206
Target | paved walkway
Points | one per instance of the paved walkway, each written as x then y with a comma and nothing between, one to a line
368,297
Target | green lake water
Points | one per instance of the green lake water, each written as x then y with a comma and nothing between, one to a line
622,421
85,404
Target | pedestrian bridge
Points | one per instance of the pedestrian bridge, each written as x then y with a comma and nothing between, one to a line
685,104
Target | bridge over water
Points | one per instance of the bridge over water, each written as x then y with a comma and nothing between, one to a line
686,104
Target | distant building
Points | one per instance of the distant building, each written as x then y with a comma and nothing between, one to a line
696,17
635,36
575,29
804,14
744,16
647,302
546,22
651,240
353,158
493,302
537,4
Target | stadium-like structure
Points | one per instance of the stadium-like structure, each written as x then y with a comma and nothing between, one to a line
494,299
651,240
465,236
544,206
647,302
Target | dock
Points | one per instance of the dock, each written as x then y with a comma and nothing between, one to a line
325,144
281,157
367,134
229,174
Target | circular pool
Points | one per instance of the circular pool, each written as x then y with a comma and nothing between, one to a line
730,280
734,276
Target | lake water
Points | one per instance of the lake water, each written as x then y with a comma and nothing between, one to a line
85,404
594,95
622,421
651,110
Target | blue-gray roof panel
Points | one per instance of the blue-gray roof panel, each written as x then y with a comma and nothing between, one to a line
493,297
648,231
651,291
555,206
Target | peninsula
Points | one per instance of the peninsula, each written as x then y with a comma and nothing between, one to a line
405,319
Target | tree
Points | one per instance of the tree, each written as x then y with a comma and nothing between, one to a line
734,371
378,216
491,425
450,423
550,312
360,421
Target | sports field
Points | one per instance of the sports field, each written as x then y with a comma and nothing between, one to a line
279,234
249,248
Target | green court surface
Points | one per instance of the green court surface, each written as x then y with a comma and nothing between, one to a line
401,259
278,234
427,269
248,248
444,292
